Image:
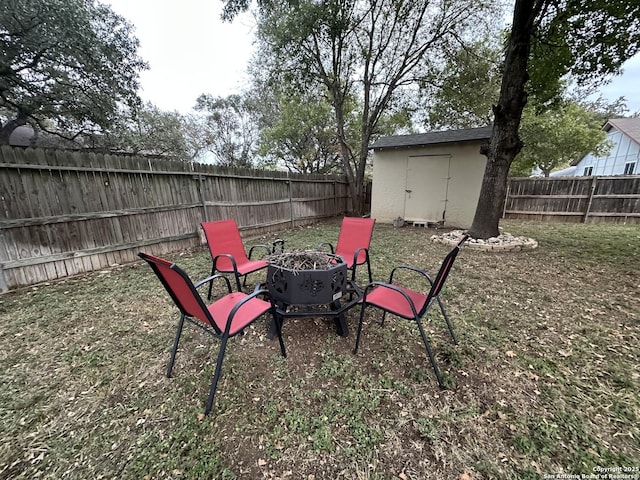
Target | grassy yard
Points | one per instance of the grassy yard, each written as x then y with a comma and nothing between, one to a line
545,380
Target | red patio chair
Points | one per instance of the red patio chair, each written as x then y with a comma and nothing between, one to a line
353,243
410,304
228,253
224,318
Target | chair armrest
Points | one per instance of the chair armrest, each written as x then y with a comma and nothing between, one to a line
266,248
239,305
227,255
211,279
278,246
419,271
323,244
261,289
356,254
465,237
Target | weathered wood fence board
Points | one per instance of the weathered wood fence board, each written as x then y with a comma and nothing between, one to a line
64,213
575,199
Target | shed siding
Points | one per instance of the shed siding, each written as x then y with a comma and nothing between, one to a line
387,189
466,172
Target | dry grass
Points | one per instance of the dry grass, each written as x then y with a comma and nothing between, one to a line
545,379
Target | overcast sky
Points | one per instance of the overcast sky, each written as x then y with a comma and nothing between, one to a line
191,51
627,85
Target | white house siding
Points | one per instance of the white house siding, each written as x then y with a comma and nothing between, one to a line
624,151
466,169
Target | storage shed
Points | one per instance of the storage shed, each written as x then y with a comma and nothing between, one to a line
429,178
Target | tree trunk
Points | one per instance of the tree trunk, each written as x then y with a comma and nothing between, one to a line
345,153
355,192
505,142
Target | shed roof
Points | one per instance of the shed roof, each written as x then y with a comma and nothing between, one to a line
432,138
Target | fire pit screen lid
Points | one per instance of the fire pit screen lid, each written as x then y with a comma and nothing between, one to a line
297,260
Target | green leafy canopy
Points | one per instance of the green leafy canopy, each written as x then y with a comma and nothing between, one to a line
65,65
556,137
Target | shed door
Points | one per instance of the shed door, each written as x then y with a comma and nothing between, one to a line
426,187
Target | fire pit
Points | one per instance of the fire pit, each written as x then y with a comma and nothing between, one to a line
315,280
306,277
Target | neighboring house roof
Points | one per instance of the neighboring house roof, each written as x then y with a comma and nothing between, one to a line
432,138
22,136
627,126
565,172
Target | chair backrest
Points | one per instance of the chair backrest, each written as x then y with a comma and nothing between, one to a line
354,233
443,273
223,237
181,289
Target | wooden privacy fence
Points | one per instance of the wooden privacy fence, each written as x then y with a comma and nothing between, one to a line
575,199
64,213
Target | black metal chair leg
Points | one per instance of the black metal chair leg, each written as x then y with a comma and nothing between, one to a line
175,346
369,271
213,271
432,359
446,319
216,376
355,349
238,286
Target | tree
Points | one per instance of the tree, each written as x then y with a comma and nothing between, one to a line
368,50
602,109
230,131
150,131
65,66
466,88
196,135
296,120
302,137
296,126
553,133
588,39
557,136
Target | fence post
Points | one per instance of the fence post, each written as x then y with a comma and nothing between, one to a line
290,183
593,188
3,281
506,199
205,215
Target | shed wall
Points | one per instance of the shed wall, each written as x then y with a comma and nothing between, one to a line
390,176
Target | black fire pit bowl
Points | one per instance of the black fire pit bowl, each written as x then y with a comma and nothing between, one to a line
308,287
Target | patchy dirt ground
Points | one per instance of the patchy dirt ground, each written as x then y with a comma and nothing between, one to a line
545,378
